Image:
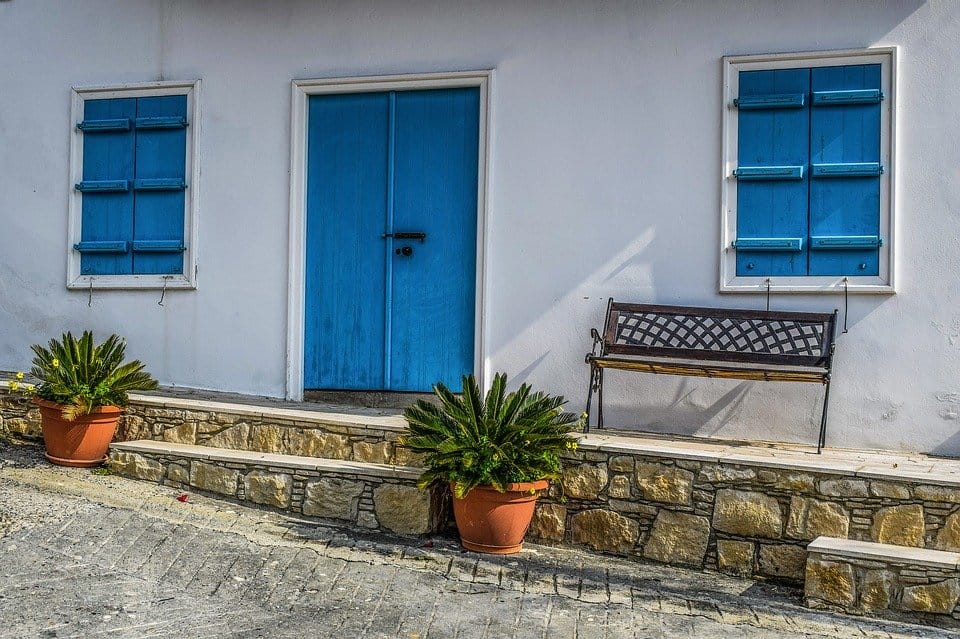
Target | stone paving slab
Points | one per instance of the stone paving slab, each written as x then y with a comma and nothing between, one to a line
86,555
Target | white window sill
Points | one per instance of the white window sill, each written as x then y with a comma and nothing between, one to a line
831,285
98,282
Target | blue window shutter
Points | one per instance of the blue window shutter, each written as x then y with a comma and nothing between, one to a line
159,183
772,203
845,138
107,213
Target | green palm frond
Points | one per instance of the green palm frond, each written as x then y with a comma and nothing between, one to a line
82,375
494,439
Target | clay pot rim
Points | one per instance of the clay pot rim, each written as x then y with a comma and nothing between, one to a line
100,410
520,487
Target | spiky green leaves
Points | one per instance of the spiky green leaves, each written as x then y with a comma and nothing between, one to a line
83,376
496,440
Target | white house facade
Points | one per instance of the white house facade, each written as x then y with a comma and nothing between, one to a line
267,198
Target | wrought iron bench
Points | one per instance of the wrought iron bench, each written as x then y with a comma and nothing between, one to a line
713,342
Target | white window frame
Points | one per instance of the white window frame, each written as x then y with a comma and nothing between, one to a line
188,278
730,282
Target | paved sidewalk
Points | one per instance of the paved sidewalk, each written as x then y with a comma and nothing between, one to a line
86,555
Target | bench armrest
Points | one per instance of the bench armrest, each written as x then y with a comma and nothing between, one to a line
597,342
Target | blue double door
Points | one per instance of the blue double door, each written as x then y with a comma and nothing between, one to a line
391,238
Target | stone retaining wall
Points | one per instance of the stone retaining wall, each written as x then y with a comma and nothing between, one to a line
19,418
902,587
266,434
365,500
239,430
740,519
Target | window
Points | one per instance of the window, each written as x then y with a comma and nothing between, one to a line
808,172
134,177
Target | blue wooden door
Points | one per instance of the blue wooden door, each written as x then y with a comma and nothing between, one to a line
385,311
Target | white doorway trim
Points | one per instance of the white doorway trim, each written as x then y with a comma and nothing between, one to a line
301,90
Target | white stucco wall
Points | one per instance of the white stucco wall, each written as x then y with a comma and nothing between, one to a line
604,181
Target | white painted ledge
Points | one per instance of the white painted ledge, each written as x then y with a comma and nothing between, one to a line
292,462
384,422
884,465
885,553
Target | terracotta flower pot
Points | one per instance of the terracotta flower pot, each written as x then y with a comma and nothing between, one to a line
493,522
82,442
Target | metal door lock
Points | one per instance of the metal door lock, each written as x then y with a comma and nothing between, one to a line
406,251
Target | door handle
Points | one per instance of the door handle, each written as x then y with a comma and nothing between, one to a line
406,236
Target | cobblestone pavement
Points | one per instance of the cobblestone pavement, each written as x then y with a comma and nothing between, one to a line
87,555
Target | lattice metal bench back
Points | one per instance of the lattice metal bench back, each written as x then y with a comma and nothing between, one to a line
713,342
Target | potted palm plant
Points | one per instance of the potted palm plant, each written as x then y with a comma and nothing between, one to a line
81,392
497,453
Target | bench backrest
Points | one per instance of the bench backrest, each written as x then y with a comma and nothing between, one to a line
725,335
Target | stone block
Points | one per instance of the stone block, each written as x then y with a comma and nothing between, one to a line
185,433
267,438
213,478
937,598
179,474
403,509
604,530
619,487
948,537
316,443
678,538
621,464
405,457
876,590
783,561
134,465
367,519
584,481
236,437
844,488
133,427
23,428
713,474
830,581
937,493
735,557
332,498
664,483
810,518
379,453
549,522
899,525
794,482
269,489
889,490
746,513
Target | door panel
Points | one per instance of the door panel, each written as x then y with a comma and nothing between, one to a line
435,177
383,163
345,262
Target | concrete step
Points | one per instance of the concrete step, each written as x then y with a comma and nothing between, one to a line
354,494
261,425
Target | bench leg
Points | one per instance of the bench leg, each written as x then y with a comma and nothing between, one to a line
823,420
590,386
599,398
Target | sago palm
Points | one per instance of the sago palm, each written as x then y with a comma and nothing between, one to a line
500,439
82,376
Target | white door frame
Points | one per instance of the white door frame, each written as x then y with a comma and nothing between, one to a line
301,90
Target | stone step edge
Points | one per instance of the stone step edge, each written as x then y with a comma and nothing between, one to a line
743,455
293,462
828,547
381,422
